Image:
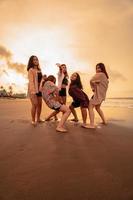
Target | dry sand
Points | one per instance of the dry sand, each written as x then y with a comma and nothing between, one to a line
41,164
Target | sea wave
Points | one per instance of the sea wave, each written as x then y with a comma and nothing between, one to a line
119,102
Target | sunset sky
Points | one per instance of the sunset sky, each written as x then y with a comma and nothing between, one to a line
80,33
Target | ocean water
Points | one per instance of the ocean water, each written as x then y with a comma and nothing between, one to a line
114,102
119,102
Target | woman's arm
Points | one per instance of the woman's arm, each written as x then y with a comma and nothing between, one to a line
59,66
42,82
60,76
96,79
31,78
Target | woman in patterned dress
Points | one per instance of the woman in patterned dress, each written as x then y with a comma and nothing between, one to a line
50,94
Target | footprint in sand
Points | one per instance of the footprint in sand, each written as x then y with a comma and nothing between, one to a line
24,121
12,121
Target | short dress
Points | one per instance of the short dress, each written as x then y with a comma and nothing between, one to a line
99,84
62,91
34,77
49,92
62,80
80,98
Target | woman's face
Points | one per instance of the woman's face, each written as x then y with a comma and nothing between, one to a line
44,77
98,69
64,69
73,77
53,80
35,61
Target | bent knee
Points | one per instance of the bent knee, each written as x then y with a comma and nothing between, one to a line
97,108
66,108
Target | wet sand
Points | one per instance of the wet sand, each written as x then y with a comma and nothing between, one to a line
41,164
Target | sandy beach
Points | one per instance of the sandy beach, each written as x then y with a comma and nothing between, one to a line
37,163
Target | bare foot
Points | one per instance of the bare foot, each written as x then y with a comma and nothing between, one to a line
33,123
74,120
104,123
40,121
60,129
91,126
56,118
85,126
48,119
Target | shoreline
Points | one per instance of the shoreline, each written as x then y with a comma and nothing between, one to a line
122,116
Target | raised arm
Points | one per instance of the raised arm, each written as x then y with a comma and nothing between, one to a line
59,66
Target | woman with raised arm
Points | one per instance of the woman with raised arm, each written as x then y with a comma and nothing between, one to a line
62,82
99,85
34,77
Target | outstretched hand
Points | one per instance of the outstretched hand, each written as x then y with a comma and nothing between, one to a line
58,64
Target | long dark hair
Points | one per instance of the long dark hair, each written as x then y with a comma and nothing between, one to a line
66,74
31,64
103,69
77,82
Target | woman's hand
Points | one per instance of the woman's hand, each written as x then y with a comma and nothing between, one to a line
58,64
38,94
96,82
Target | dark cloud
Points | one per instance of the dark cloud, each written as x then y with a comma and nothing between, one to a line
4,53
18,67
115,75
7,56
3,71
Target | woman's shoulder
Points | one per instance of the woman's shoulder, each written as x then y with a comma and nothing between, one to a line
101,74
73,86
31,70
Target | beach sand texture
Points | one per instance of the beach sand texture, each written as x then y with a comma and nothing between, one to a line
37,163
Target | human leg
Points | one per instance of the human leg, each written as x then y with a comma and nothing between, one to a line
66,112
39,108
53,114
100,112
34,103
91,115
84,115
74,113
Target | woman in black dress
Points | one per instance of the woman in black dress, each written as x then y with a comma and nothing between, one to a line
80,98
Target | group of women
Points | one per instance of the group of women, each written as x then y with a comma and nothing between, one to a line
42,87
